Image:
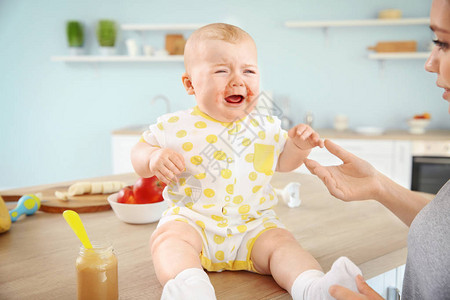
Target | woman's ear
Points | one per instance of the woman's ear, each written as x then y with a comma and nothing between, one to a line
187,84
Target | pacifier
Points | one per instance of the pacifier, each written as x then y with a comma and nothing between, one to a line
290,194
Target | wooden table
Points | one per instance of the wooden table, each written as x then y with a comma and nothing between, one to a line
37,256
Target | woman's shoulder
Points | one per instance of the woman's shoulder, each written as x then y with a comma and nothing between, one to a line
443,194
446,187
426,275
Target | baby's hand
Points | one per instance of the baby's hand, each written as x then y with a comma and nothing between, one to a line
166,164
304,137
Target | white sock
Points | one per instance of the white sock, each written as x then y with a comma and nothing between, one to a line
189,284
314,285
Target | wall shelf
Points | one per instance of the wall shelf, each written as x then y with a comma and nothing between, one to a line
119,58
125,58
399,55
160,27
381,57
357,23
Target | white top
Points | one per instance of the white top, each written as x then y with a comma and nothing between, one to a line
228,167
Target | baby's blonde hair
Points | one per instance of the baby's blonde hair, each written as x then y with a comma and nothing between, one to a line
215,31
219,31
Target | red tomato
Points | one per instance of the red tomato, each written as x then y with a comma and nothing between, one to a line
148,190
126,195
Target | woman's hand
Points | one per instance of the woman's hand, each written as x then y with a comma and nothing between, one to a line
355,179
367,293
166,164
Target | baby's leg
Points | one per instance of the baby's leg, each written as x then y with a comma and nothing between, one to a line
175,250
277,252
175,247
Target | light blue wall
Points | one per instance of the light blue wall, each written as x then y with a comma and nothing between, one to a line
56,118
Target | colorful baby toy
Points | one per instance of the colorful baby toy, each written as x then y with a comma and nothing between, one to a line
28,204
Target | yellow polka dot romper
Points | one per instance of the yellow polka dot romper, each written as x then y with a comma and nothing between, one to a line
225,192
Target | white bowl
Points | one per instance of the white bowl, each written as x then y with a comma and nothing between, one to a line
417,126
137,213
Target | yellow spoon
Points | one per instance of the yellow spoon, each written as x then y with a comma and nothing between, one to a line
74,221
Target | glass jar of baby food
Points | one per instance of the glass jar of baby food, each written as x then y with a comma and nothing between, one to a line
97,273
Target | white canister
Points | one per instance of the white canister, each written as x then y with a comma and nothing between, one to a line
340,122
132,47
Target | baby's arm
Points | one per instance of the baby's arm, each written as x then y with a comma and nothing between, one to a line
302,139
163,163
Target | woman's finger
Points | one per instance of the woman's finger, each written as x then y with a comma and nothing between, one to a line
322,172
315,168
342,293
338,151
311,165
365,289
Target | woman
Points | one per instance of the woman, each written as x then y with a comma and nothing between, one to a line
427,274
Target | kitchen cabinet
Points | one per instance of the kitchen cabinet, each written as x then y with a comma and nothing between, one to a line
389,279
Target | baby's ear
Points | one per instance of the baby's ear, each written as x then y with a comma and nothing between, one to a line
187,84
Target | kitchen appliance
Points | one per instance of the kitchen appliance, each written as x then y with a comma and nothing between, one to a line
430,165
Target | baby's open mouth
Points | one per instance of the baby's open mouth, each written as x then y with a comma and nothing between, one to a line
235,99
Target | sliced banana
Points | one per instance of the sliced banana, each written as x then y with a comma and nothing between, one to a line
61,195
108,187
117,185
96,187
80,188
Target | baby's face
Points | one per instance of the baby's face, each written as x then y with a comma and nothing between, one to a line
225,78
